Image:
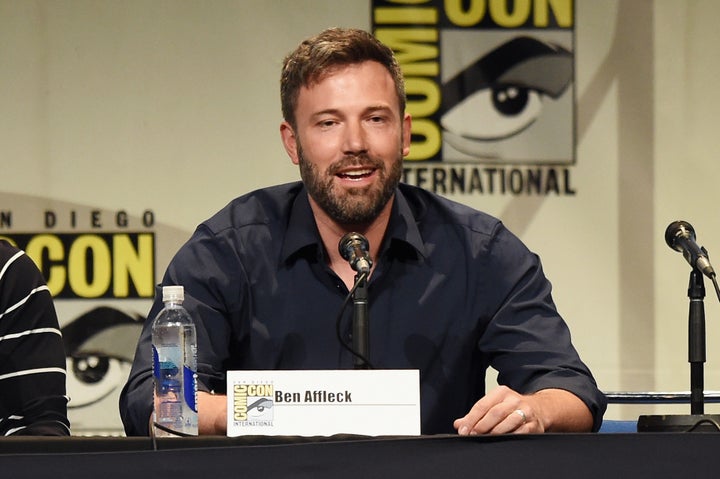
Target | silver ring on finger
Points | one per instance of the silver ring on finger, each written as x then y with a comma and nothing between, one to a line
521,413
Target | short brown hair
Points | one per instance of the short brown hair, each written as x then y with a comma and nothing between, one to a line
316,57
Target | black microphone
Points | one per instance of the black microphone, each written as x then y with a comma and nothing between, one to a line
680,236
354,248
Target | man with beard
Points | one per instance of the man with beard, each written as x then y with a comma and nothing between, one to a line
451,290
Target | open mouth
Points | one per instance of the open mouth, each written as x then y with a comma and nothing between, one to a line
356,175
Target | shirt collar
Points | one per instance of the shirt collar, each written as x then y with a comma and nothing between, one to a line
402,227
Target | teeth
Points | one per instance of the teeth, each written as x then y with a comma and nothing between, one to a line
357,173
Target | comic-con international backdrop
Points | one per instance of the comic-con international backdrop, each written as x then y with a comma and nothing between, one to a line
586,126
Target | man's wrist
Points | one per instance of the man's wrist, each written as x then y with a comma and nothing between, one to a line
212,413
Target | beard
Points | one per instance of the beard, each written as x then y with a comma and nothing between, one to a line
353,206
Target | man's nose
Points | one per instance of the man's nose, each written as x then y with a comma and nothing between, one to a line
355,138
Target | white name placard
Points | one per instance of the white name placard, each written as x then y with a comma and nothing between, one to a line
378,402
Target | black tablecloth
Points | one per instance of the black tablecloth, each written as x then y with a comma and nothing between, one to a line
652,455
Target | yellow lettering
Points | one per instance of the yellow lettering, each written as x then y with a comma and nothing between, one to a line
93,265
56,273
429,147
260,390
89,266
417,53
425,96
408,16
414,57
131,263
562,9
240,402
500,13
465,17
508,14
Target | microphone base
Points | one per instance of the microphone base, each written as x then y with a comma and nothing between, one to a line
679,423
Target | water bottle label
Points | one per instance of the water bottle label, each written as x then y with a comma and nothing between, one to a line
156,364
190,390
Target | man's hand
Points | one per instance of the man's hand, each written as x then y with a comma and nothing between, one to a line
212,414
505,411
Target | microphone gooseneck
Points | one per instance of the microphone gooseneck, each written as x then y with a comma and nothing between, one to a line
354,248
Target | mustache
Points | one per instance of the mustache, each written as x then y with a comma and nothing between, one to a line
354,160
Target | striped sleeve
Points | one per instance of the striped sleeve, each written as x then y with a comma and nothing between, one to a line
33,399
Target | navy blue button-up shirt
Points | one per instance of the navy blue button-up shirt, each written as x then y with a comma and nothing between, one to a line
453,292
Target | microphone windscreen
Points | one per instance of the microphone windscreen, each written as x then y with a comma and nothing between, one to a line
678,229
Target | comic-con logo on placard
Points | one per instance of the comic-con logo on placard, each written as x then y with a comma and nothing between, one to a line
490,89
253,404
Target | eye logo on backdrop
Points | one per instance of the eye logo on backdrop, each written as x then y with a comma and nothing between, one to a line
494,103
490,87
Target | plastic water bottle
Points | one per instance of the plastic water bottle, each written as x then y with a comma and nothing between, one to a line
174,346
